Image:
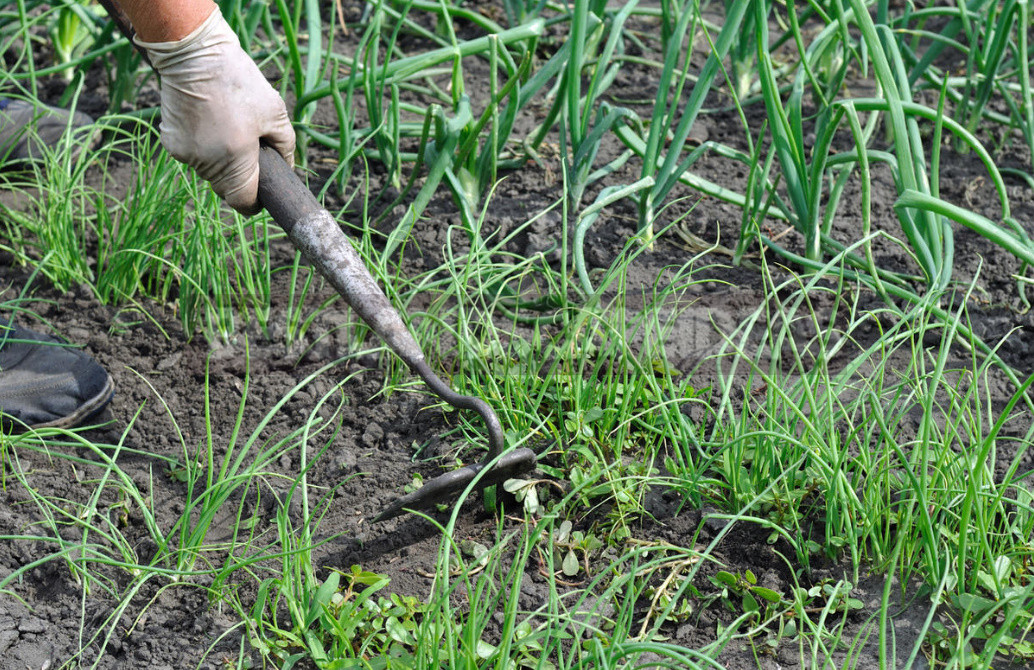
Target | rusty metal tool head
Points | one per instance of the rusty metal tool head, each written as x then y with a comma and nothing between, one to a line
323,244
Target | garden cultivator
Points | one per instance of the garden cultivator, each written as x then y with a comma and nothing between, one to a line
320,239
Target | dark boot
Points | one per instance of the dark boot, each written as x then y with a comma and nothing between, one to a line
25,129
44,383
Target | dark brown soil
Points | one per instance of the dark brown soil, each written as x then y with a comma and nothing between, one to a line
161,373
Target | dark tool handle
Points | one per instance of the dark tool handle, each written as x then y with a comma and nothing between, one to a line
323,244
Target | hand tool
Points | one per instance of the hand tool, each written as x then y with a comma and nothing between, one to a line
323,244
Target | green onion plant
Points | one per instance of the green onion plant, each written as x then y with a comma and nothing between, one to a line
666,167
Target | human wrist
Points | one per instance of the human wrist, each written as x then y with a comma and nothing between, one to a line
159,21
213,28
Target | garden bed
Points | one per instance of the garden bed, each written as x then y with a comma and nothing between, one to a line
774,476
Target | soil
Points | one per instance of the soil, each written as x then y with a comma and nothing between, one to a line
160,372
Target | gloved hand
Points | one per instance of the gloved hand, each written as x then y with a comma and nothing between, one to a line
216,106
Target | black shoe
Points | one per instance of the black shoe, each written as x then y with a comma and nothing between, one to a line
44,383
27,128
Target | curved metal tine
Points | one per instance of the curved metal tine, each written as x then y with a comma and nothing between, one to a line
444,488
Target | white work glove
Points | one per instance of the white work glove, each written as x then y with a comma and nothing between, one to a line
216,107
